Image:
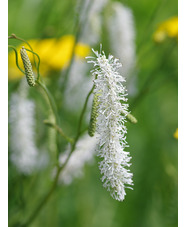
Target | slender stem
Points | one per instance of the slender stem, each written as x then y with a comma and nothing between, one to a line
54,110
48,194
45,198
43,201
79,132
50,98
17,63
13,36
82,113
59,130
73,145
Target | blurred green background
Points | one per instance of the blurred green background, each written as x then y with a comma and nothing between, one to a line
153,202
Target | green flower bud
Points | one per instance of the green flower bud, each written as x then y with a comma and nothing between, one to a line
131,118
94,115
28,68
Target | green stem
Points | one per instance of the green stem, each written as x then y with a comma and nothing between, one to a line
54,110
79,132
45,198
73,145
13,36
59,130
43,201
82,113
50,99
17,63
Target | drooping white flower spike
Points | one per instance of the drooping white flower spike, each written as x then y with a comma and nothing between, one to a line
24,153
112,111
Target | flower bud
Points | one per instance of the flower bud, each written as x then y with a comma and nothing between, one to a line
94,115
28,67
131,118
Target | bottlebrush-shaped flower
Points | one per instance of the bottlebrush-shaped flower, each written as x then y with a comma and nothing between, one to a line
24,153
112,111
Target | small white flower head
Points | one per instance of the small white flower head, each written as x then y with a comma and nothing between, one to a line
83,154
112,111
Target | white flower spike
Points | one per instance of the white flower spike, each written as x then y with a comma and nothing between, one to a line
112,111
24,153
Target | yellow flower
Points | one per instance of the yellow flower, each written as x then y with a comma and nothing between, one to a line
55,54
176,134
168,28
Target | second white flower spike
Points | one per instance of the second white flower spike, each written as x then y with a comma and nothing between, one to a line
112,111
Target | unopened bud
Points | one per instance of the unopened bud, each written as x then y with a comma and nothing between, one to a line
94,115
28,68
131,118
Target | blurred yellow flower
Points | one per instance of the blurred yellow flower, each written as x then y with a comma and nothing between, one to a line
168,28
176,134
54,53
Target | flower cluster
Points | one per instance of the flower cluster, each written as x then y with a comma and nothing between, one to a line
112,111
